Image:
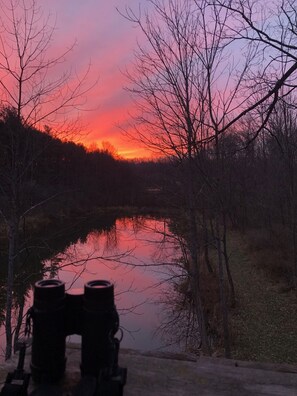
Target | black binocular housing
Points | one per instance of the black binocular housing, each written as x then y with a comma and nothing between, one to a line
90,313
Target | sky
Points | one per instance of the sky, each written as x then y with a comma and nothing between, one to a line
106,40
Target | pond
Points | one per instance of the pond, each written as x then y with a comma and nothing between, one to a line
138,255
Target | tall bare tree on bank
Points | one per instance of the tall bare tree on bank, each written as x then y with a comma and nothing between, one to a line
272,33
31,96
205,67
171,80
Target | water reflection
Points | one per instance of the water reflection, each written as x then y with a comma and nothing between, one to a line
136,257
133,253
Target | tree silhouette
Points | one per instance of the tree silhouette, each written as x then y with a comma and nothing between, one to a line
205,69
30,96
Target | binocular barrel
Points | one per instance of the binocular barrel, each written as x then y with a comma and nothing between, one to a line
56,314
48,340
100,324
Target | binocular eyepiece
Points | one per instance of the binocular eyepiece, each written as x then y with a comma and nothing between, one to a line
90,313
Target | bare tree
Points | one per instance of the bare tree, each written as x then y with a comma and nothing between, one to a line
31,78
266,34
282,145
31,96
271,34
205,67
170,78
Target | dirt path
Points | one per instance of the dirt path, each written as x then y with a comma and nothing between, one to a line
264,323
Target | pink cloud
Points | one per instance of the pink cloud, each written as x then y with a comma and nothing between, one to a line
105,40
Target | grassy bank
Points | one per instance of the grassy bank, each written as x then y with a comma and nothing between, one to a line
264,323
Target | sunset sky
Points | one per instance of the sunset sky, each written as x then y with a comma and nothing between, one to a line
107,41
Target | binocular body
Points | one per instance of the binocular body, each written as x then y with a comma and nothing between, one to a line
90,313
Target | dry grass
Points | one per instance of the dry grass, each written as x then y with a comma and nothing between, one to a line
272,252
264,323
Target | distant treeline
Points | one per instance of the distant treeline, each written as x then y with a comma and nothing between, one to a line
39,170
257,188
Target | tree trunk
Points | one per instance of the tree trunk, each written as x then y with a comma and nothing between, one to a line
201,317
19,323
194,249
223,301
226,257
294,242
206,242
12,241
195,284
220,211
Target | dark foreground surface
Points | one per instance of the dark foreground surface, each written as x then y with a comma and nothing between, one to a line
176,375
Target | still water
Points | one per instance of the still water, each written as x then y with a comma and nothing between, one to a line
138,255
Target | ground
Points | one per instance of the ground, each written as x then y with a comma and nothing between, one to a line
151,375
264,323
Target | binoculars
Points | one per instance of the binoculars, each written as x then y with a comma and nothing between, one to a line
91,313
